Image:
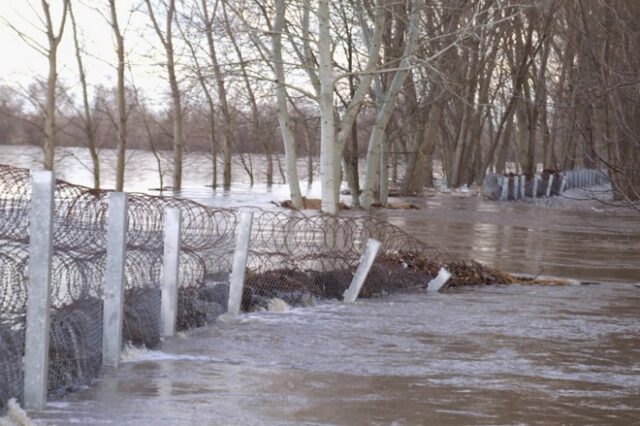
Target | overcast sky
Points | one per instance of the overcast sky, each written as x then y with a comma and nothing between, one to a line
21,62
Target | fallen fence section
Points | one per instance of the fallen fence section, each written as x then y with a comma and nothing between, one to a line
113,269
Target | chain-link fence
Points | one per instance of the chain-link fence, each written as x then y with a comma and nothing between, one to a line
292,257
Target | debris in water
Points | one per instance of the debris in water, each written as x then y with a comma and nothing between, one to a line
278,305
15,416
307,204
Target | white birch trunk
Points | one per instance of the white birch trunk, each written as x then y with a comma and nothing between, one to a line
284,120
328,151
384,115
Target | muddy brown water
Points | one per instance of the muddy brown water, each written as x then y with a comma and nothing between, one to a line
488,356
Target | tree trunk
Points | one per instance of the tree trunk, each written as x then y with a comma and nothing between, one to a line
283,111
384,114
121,126
87,116
328,150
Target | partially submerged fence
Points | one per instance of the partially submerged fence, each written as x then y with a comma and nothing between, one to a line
546,184
114,261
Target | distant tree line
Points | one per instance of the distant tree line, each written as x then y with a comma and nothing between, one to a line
474,83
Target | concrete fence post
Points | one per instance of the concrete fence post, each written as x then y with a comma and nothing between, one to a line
514,192
170,271
504,194
549,186
563,183
523,183
439,281
366,261
534,187
239,265
113,303
36,357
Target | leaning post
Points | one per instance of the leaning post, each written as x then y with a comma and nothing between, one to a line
113,304
36,356
170,271
549,185
366,261
239,265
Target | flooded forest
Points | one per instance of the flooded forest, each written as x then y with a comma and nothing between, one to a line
480,86
287,212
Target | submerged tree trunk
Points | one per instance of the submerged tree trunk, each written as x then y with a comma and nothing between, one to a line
284,119
328,149
166,39
384,114
89,128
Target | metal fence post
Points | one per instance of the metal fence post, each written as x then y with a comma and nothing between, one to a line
113,304
240,257
366,261
170,271
36,359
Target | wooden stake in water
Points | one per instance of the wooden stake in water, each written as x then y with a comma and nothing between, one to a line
36,357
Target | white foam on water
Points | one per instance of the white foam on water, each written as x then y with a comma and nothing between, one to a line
142,354
278,305
15,416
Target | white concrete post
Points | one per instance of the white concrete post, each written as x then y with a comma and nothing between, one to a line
504,194
170,271
439,281
523,183
36,358
563,183
366,261
240,257
534,187
514,192
113,303
549,186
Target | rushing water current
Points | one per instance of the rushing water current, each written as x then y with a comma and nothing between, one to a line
493,355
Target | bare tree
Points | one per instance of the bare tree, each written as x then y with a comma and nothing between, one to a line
87,116
121,121
50,51
166,39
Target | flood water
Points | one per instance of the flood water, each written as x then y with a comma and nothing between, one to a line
494,355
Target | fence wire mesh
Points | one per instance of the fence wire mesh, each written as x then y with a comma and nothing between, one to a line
293,257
